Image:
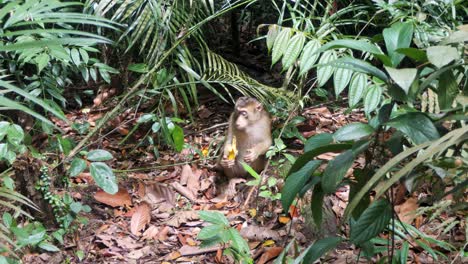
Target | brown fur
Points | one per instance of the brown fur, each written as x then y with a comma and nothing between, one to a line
251,125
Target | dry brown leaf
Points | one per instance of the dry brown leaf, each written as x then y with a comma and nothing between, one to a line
406,211
185,174
140,218
259,233
182,217
173,255
143,252
151,233
160,196
269,254
121,198
193,181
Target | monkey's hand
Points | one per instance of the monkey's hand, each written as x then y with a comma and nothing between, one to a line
250,156
227,163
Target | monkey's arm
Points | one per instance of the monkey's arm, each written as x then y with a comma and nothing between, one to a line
228,138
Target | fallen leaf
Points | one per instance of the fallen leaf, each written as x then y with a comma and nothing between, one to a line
407,210
268,242
193,181
140,218
150,233
185,174
284,219
182,217
143,252
161,196
121,198
269,254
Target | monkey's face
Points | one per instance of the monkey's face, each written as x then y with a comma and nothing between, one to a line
242,118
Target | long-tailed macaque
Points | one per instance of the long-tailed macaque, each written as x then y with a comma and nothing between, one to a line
248,138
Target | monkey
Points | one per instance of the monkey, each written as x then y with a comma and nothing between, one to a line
248,134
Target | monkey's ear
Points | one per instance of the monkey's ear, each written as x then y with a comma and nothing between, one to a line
258,106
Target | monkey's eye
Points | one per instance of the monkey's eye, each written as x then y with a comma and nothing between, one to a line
243,113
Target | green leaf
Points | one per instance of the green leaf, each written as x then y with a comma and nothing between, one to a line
372,99
325,70
309,56
139,67
15,134
306,157
250,170
427,248
357,45
48,247
413,53
447,90
238,242
442,55
398,36
317,141
359,66
99,155
353,131
104,177
76,207
296,181
210,231
213,217
403,77
4,125
292,52
3,150
178,138
280,45
417,126
371,222
336,170
341,78
145,118
42,60
321,247
77,166
84,55
316,205
356,88
271,36
75,55
404,252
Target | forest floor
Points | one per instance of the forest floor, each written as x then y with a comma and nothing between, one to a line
154,216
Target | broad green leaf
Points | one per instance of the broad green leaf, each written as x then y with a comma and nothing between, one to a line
280,45
317,141
4,125
320,247
398,36
139,67
3,150
77,166
357,45
371,222
414,53
357,88
271,36
306,157
353,131
294,49
459,36
76,207
417,126
447,90
359,66
178,138
213,217
403,77
42,60
75,55
325,72
145,118
341,78
336,170
372,99
48,247
15,134
99,155
84,55
104,177
442,55
210,231
296,181
316,205
156,127
238,242
309,56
